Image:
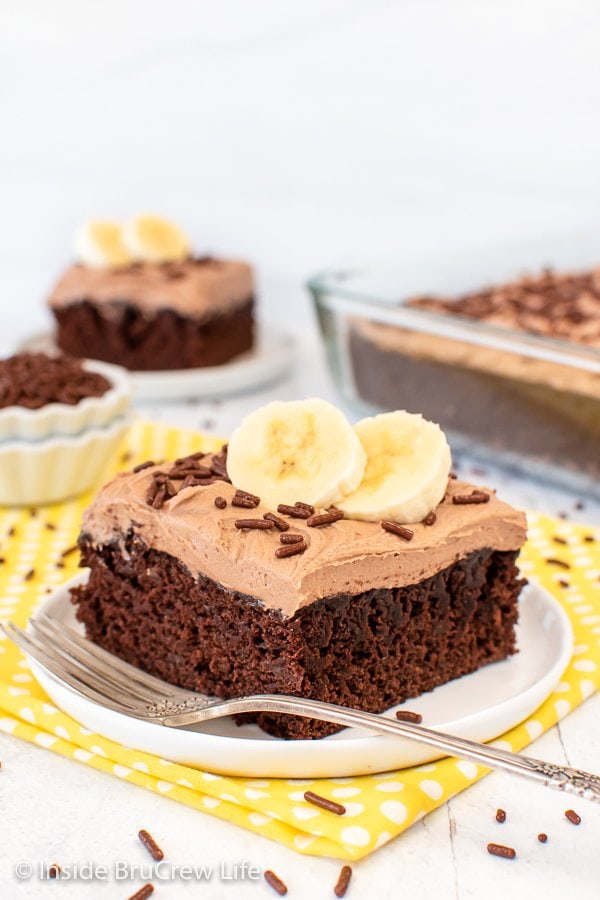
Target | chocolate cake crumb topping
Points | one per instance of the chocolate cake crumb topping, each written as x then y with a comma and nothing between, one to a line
33,380
557,305
394,528
324,803
343,881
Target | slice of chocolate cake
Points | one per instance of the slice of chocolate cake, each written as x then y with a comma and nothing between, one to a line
153,316
203,585
138,298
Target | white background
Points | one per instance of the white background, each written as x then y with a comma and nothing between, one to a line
301,136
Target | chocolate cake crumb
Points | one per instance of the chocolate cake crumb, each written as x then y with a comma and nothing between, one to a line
394,528
324,803
291,549
150,844
501,850
406,715
33,380
275,882
220,502
573,817
343,881
500,816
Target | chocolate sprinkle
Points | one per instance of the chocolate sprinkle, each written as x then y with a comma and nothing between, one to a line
573,817
290,550
69,550
558,562
406,715
324,518
29,575
564,583
559,540
143,892
542,837
254,524
430,519
280,524
343,881
501,850
150,845
275,882
220,502
473,497
54,870
290,538
141,466
500,816
324,803
400,530
296,512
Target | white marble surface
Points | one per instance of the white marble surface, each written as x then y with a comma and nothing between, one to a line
302,135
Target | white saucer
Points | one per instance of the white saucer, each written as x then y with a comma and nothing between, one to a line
271,358
480,706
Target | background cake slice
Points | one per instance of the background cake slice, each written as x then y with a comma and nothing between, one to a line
152,312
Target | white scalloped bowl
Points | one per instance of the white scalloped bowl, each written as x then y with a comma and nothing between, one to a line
63,419
47,471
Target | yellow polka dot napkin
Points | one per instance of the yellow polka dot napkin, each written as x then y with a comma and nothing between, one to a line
378,807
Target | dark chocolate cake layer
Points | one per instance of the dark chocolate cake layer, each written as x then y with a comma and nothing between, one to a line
369,650
130,337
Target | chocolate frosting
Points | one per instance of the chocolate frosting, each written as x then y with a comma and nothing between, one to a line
346,557
194,288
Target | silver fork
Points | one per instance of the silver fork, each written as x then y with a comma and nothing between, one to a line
99,676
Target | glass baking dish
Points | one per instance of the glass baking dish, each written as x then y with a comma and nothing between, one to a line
523,400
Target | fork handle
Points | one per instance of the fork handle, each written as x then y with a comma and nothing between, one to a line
561,778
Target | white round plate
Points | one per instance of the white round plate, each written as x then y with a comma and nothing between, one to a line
271,358
479,706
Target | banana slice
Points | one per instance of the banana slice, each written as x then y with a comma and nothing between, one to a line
302,450
408,463
99,244
151,239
